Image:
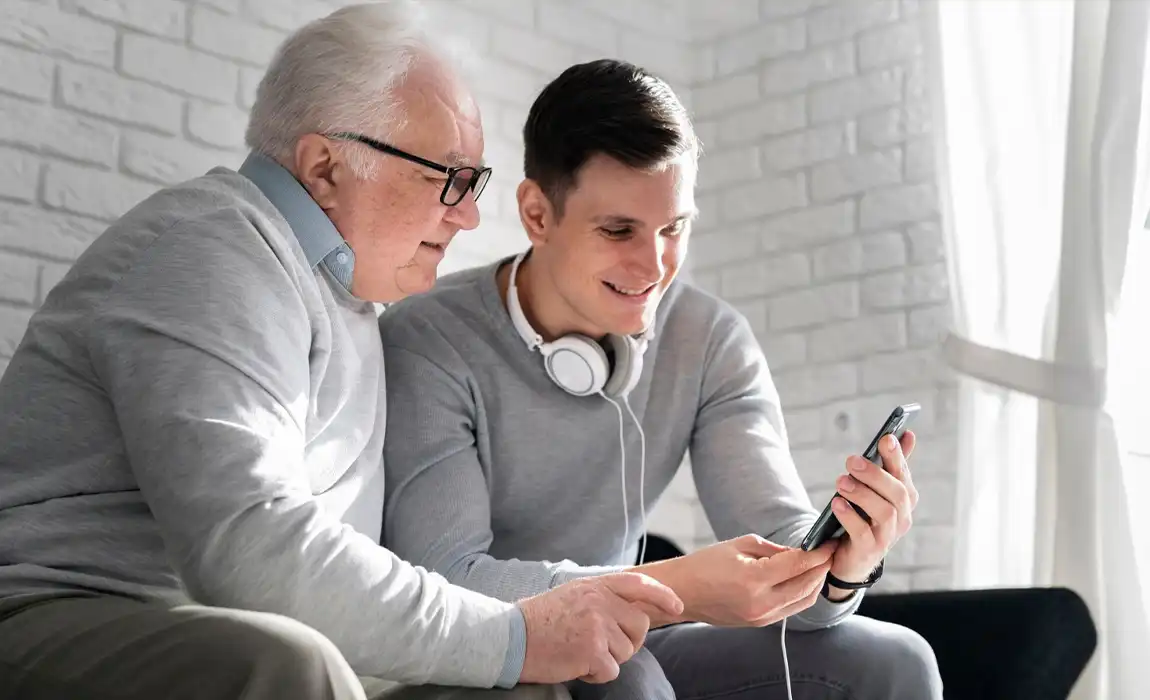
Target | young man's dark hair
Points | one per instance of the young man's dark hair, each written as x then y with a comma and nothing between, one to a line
605,106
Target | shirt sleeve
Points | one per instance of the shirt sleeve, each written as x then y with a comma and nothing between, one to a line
202,346
740,458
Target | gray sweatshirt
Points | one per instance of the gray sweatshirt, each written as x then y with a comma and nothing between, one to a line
509,485
197,413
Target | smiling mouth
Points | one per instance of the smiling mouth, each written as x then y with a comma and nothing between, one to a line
633,292
441,247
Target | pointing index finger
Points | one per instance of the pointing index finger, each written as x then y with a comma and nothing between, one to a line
640,588
795,562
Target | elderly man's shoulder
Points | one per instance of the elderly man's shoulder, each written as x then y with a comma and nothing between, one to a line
209,239
216,207
202,197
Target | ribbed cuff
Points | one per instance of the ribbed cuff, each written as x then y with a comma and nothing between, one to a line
516,651
571,573
826,613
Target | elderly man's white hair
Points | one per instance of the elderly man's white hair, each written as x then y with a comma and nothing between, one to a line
340,73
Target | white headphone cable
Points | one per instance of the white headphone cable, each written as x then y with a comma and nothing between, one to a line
786,664
642,478
623,471
643,513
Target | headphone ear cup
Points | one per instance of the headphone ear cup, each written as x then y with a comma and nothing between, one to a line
628,366
577,364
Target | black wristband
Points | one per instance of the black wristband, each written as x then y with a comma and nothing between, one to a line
832,580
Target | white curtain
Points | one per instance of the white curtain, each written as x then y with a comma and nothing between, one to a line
1043,141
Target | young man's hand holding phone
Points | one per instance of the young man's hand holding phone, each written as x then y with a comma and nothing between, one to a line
873,507
748,581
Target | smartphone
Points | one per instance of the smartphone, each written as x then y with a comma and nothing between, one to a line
827,526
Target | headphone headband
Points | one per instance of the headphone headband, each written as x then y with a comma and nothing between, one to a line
518,318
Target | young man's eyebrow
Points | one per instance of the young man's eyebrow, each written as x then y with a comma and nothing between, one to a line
623,220
618,220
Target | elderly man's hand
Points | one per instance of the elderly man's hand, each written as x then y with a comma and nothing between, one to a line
887,495
585,628
744,582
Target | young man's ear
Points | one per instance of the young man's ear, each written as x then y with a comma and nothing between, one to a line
535,211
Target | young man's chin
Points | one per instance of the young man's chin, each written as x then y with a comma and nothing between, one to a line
621,318
629,326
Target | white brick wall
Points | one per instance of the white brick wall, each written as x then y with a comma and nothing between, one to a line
830,241
817,192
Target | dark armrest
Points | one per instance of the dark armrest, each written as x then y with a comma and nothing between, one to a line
1000,643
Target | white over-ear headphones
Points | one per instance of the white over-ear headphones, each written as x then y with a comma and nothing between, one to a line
577,363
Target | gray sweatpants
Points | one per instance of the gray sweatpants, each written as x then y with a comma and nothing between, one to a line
109,648
858,659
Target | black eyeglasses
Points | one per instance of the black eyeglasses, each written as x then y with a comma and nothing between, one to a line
459,179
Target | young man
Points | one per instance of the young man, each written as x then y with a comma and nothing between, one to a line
510,386
191,431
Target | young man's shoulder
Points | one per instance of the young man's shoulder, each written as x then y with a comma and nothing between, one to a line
457,309
691,310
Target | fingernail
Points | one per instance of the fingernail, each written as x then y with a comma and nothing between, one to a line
839,504
856,463
891,442
846,484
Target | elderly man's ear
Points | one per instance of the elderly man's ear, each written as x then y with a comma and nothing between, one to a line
319,168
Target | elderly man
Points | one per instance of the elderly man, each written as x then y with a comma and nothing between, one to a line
524,471
191,431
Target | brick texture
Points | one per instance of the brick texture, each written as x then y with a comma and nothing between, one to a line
804,148
849,257
167,18
58,33
104,94
57,132
216,125
18,285
19,175
766,119
799,72
847,98
184,68
26,73
764,41
233,38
